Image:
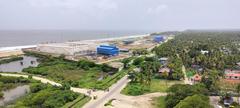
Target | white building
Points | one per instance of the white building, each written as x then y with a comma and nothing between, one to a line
68,48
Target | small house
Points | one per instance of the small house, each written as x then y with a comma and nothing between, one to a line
232,74
197,68
163,70
204,52
163,60
196,78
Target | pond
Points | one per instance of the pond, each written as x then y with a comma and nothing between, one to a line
13,94
18,66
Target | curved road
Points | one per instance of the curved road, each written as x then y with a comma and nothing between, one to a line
113,91
103,97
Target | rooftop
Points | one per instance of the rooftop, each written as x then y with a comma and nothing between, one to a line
162,70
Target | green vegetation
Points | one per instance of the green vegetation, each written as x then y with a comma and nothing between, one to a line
77,103
109,103
83,73
184,96
179,92
42,95
135,89
159,102
46,96
211,52
174,62
157,85
195,101
140,51
7,83
10,59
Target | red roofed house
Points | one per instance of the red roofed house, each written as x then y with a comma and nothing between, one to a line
232,74
196,78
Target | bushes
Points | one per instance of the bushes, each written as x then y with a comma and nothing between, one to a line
8,79
138,61
135,89
11,59
45,96
83,73
85,64
178,92
195,101
36,87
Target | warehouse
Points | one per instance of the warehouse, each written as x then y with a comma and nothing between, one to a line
107,50
158,38
68,48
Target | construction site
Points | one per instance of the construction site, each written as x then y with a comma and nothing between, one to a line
102,50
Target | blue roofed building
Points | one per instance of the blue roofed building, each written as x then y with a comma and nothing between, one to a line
158,38
107,50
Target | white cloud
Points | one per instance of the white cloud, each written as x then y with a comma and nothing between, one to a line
158,9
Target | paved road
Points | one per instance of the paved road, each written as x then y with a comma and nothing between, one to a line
103,97
114,90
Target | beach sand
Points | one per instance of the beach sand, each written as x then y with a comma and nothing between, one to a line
10,53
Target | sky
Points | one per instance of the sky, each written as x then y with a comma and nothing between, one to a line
119,14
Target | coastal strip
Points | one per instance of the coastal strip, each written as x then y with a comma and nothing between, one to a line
17,50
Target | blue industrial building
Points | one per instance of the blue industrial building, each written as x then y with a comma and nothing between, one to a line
158,38
107,50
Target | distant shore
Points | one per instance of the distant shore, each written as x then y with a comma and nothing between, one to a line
16,50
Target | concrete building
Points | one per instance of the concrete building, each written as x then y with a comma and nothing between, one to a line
68,48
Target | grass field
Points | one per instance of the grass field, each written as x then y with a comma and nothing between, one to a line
162,85
159,102
157,85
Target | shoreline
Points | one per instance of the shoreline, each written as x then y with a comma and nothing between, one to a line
18,48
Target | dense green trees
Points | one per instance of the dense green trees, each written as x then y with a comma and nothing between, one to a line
210,80
46,96
126,62
222,49
195,101
178,92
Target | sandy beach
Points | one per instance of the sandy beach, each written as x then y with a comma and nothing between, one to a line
17,50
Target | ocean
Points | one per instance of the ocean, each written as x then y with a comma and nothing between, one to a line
9,38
